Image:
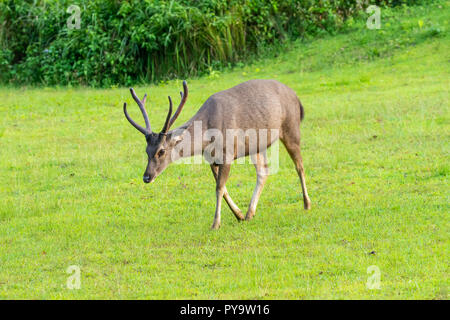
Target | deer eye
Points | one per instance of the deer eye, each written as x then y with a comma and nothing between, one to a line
161,153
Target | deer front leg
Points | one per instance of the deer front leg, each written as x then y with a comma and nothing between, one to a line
262,171
234,208
222,176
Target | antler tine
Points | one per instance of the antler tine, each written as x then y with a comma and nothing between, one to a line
141,104
167,124
134,124
184,97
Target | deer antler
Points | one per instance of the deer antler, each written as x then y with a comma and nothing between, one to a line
180,107
147,130
169,121
167,124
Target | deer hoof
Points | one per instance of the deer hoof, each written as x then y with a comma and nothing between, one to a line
307,205
249,216
215,226
239,216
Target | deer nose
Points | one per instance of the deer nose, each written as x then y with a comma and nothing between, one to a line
146,179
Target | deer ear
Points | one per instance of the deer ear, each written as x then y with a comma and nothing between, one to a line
178,135
176,139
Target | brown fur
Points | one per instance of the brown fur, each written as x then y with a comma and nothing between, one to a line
254,104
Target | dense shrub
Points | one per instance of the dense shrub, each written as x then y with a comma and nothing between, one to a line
121,42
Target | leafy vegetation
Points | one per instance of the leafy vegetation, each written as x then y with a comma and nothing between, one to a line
376,152
121,42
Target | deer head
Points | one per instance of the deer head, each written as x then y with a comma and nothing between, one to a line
159,145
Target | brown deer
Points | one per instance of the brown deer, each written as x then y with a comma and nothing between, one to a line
258,105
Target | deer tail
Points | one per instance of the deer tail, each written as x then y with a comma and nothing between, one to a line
302,111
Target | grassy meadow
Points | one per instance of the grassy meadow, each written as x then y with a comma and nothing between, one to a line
375,145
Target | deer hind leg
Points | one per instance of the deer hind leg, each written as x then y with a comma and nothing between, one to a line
262,171
293,147
222,176
234,208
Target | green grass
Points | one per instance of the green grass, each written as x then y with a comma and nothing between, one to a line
376,152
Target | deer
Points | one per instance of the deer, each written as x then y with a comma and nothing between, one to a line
257,105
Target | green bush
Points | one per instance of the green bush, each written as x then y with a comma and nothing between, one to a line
121,42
